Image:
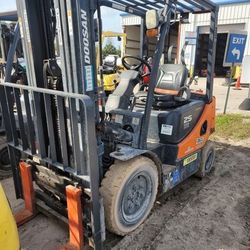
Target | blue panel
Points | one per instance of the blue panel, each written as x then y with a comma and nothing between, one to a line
8,16
176,177
235,48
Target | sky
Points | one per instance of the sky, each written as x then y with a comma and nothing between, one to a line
7,5
111,18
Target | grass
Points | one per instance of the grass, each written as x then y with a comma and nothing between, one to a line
233,126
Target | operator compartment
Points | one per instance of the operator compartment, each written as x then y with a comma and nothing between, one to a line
174,110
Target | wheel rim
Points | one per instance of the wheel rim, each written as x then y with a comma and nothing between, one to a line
209,161
136,198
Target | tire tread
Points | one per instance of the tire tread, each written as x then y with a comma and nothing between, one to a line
111,185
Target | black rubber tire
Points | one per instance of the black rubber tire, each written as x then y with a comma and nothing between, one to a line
207,160
120,176
5,167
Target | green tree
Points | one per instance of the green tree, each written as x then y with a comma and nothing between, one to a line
109,49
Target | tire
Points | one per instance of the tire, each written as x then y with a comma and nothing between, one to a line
5,165
129,191
207,160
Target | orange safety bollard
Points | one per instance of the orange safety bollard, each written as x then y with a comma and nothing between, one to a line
29,210
74,206
237,84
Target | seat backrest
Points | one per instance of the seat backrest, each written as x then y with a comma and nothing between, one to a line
109,64
172,77
110,60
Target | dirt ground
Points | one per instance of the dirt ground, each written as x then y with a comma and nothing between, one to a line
213,213
210,214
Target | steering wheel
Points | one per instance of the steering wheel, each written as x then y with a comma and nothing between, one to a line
137,66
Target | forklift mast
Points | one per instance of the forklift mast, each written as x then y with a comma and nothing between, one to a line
58,110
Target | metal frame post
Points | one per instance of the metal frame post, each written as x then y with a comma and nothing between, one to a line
178,49
63,59
212,54
11,54
164,32
101,91
1,44
228,89
87,50
142,37
74,45
197,50
16,172
66,46
26,41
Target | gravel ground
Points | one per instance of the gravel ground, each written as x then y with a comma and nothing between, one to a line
213,213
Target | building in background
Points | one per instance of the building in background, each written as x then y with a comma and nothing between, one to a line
133,26
232,17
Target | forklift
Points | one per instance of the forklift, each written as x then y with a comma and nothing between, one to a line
111,63
101,164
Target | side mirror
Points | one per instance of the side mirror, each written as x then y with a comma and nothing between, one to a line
152,19
119,38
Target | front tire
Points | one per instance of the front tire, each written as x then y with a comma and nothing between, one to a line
129,191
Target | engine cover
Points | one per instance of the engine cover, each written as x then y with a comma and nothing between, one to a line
172,126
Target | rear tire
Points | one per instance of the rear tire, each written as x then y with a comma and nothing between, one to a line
207,160
129,191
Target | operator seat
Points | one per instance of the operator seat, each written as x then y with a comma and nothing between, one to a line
171,89
110,65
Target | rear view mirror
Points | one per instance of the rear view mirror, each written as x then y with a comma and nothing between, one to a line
152,19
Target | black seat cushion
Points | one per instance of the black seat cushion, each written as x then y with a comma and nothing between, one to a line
159,102
142,95
172,76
